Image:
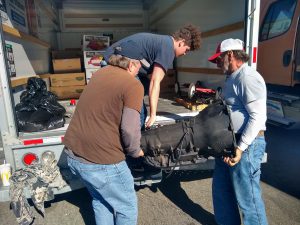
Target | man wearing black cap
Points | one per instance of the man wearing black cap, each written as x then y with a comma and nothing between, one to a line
236,180
160,51
105,127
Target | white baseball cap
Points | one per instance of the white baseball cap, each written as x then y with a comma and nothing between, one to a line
227,45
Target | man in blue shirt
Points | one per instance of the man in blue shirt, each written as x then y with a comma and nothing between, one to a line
159,51
236,180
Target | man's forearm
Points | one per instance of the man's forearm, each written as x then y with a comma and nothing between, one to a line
153,99
154,89
130,132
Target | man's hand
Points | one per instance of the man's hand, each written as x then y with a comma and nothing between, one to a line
150,121
236,159
141,153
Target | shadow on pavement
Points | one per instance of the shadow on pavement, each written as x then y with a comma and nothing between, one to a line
82,199
178,196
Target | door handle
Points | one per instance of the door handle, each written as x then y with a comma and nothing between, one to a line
286,59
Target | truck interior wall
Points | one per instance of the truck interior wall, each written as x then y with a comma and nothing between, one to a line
119,19
61,25
47,21
212,17
64,26
30,59
29,55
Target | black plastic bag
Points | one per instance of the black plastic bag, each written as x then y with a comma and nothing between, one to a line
38,109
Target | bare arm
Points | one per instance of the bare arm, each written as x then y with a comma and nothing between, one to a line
154,89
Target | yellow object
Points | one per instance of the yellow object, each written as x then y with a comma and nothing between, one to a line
190,105
5,174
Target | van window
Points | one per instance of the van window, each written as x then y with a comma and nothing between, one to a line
278,19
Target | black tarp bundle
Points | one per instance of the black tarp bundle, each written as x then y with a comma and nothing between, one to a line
38,109
210,133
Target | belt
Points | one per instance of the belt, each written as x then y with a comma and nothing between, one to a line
73,155
260,134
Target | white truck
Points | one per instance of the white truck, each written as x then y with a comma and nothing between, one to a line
32,28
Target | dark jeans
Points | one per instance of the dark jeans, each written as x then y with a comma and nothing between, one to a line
145,82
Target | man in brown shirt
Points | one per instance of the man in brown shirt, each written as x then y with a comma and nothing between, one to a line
105,127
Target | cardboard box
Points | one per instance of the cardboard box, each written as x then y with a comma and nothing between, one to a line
89,74
46,75
67,92
66,65
92,59
20,80
67,79
94,42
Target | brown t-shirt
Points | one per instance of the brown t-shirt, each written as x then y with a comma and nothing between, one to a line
94,131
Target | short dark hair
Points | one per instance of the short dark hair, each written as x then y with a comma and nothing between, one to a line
121,61
241,55
191,35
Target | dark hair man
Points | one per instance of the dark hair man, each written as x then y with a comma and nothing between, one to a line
160,51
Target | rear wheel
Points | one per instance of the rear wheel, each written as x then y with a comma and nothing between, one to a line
177,89
192,89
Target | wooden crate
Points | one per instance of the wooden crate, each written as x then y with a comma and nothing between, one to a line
190,105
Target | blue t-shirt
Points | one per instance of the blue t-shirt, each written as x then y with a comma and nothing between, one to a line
155,48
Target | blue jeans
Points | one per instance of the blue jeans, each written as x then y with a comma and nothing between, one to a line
143,115
112,189
145,82
238,187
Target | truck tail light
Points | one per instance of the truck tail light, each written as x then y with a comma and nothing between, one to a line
47,158
29,158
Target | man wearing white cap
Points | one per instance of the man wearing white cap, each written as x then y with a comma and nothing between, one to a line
236,180
105,127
